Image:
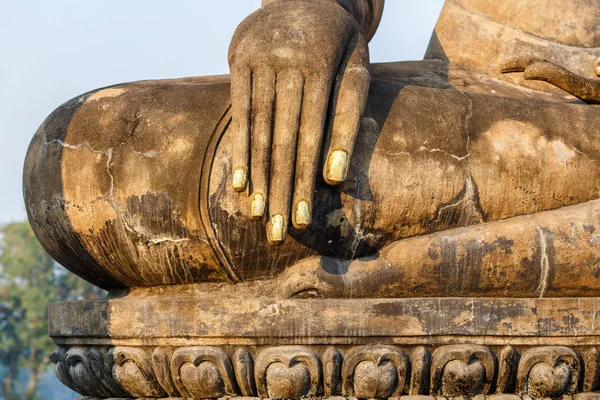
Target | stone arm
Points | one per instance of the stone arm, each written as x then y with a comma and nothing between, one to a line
299,79
366,12
539,69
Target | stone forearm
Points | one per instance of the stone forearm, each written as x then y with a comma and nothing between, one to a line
367,12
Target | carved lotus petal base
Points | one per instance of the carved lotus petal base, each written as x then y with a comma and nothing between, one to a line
460,378
203,381
581,396
363,372
547,381
372,381
287,383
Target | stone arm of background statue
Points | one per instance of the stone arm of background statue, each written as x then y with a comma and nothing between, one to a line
294,63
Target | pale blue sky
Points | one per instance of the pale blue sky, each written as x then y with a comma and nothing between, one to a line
51,51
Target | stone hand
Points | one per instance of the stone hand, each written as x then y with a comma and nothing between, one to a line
587,90
294,64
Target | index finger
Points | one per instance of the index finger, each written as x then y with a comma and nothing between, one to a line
241,89
350,98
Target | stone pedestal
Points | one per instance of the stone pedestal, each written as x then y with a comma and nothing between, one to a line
181,343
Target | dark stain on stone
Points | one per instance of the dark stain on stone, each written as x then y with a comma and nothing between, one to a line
547,326
589,228
570,320
386,309
394,309
146,243
44,196
433,253
460,262
252,257
154,213
487,315
334,266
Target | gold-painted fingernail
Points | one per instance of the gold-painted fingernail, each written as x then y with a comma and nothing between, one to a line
337,167
302,214
239,179
257,208
598,69
276,229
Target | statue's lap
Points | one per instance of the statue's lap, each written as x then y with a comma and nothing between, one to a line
143,169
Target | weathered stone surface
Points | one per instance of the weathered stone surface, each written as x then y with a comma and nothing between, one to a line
183,317
444,245
481,34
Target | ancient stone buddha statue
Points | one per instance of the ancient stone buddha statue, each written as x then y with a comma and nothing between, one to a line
309,173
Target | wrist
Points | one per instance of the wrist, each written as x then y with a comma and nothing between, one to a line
366,12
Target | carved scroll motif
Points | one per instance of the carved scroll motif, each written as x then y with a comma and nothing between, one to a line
591,361
243,366
362,372
161,362
332,371
548,372
87,371
420,365
462,370
507,370
375,372
288,372
133,369
202,373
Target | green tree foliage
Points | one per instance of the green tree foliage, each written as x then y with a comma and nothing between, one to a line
29,280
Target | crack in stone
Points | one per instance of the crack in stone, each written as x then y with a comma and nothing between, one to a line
147,154
62,143
468,118
436,150
544,263
111,190
425,149
45,133
467,205
469,195
109,197
576,150
159,240
489,321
